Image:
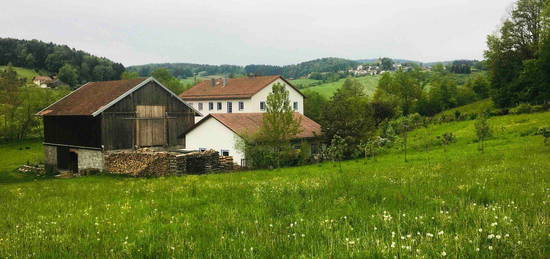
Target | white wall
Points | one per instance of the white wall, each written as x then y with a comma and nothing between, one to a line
211,134
250,105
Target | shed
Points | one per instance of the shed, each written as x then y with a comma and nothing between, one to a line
112,115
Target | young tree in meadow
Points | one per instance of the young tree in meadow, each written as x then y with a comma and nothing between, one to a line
483,130
280,124
336,150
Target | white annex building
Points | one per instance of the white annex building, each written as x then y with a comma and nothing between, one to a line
223,131
238,95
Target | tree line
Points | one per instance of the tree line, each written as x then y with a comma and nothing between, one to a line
518,56
72,66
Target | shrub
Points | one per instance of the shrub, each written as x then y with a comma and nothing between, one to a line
522,109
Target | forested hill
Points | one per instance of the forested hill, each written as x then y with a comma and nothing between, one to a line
183,70
77,66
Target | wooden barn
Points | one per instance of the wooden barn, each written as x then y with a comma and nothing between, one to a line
112,115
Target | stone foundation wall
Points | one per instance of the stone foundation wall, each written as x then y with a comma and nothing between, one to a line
89,159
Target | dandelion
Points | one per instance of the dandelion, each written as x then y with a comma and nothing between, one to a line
429,235
477,249
392,244
490,236
443,253
303,235
498,236
507,235
480,230
494,224
440,233
490,247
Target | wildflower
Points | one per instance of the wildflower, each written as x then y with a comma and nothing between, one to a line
303,235
490,247
494,224
440,233
443,253
392,244
490,236
498,236
480,230
477,249
507,235
172,248
270,225
429,235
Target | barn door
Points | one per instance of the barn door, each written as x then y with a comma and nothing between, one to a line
150,125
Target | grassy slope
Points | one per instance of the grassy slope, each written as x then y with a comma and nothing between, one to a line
328,89
23,72
472,108
381,208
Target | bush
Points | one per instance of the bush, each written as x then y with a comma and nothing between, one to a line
522,109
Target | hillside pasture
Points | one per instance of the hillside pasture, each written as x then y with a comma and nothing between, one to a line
328,89
454,202
23,72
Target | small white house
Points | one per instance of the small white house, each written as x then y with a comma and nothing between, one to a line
42,81
222,131
238,95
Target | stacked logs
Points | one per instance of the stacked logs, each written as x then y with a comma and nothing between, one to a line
226,163
140,163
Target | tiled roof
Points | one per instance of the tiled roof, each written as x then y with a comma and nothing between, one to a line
250,123
235,88
91,97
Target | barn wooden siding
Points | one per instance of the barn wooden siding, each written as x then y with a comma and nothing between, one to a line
119,123
83,131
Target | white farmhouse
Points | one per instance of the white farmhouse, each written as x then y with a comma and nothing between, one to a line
223,131
42,81
238,95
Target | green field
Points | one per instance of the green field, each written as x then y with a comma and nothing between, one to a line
328,89
458,203
303,82
23,72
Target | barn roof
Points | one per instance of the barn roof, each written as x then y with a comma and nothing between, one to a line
250,123
94,97
235,88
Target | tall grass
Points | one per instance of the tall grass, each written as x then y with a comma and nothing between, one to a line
458,203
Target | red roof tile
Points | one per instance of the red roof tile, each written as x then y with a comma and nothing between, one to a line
90,97
250,123
235,88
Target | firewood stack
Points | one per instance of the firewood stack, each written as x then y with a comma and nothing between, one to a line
146,163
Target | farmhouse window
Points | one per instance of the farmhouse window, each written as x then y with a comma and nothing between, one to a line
210,106
219,104
202,149
262,106
200,106
229,107
241,106
295,105
224,152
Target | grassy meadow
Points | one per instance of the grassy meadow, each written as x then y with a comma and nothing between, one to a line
23,72
453,202
328,89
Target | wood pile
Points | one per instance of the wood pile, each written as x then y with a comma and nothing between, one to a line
29,169
226,163
146,163
140,163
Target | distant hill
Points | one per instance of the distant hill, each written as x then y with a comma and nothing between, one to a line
50,57
396,60
184,70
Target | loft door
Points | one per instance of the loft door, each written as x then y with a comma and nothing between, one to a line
150,125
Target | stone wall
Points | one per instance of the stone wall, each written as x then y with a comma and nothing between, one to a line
89,159
50,157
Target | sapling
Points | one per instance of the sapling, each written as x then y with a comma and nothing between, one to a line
336,150
483,130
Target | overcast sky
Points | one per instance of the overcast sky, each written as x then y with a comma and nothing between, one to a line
258,31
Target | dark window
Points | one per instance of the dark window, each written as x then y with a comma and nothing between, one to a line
210,106
295,105
202,149
262,106
241,106
200,106
229,107
219,104
224,152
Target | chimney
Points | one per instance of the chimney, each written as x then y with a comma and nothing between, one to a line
224,80
213,81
